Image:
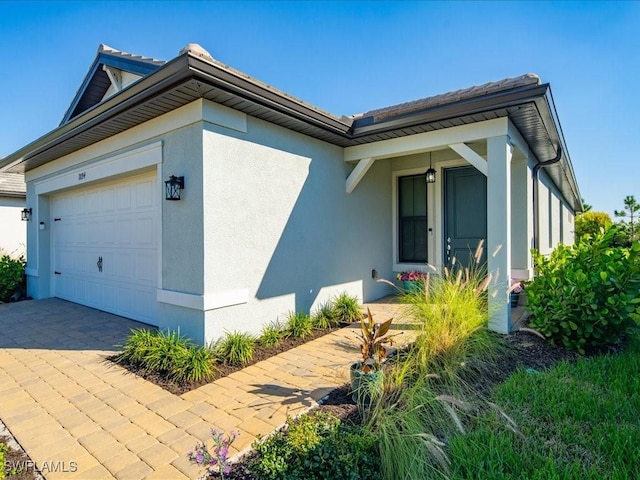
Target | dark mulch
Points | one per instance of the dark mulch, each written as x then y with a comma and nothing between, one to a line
260,353
521,350
17,465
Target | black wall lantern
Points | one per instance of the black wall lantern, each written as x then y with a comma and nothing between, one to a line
173,187
26,214
431,173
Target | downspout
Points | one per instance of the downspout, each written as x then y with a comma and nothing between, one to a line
536,205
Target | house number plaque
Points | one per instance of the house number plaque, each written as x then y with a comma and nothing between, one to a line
82,175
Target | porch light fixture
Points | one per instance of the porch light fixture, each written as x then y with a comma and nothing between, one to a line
173,187
431,173
25,214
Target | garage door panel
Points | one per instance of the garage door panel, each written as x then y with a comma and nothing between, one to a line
93,203
123,198
107,198
116,221
94,231
144,232
124,225
144,194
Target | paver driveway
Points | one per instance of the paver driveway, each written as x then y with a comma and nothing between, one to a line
78,416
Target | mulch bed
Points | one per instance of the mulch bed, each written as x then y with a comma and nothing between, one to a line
524,350
260,353
19,461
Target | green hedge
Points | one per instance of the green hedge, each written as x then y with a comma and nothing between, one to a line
586,295
11,275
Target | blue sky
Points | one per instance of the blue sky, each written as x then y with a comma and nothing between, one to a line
349,57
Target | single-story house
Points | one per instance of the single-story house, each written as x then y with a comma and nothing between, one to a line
13,230
188,194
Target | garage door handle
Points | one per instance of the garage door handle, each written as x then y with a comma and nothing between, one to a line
99,264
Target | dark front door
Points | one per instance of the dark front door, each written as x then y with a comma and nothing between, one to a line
465,214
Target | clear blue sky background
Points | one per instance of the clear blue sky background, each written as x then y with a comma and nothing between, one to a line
354,56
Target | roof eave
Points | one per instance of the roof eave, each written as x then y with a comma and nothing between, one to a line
170,74
471,106
181,69
262,94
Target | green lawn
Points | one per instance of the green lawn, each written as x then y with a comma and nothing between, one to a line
580,421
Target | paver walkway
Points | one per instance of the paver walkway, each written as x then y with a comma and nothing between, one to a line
79,416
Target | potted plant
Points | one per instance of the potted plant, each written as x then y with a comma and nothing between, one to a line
411,280
367,375
515,290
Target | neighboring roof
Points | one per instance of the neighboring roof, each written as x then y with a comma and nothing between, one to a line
96,82
195,74
12,185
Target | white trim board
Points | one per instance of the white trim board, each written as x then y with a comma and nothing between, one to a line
210,301
117,165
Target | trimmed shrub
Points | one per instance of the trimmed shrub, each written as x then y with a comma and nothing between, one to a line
11,275
586,295
317,446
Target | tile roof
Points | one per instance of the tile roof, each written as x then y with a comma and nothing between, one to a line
450,97
102,48
12,185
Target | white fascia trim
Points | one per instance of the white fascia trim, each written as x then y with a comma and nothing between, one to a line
210,301
125,162
423,142
179,118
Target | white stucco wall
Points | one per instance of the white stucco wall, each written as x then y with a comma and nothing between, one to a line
13,231
556,216
280,226
179,134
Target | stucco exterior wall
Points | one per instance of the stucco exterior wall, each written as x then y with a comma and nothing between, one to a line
13,231
279,224
179,135
556,217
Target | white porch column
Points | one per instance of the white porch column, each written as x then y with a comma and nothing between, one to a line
499,152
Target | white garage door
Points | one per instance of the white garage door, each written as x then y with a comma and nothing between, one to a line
105,246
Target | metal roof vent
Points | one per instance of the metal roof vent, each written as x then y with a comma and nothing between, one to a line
196,50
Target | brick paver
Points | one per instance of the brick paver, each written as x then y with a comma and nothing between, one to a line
67,406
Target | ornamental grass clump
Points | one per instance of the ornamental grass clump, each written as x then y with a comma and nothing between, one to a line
235,348
347,308
298,325
271,335
325,316
426,396
168,353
